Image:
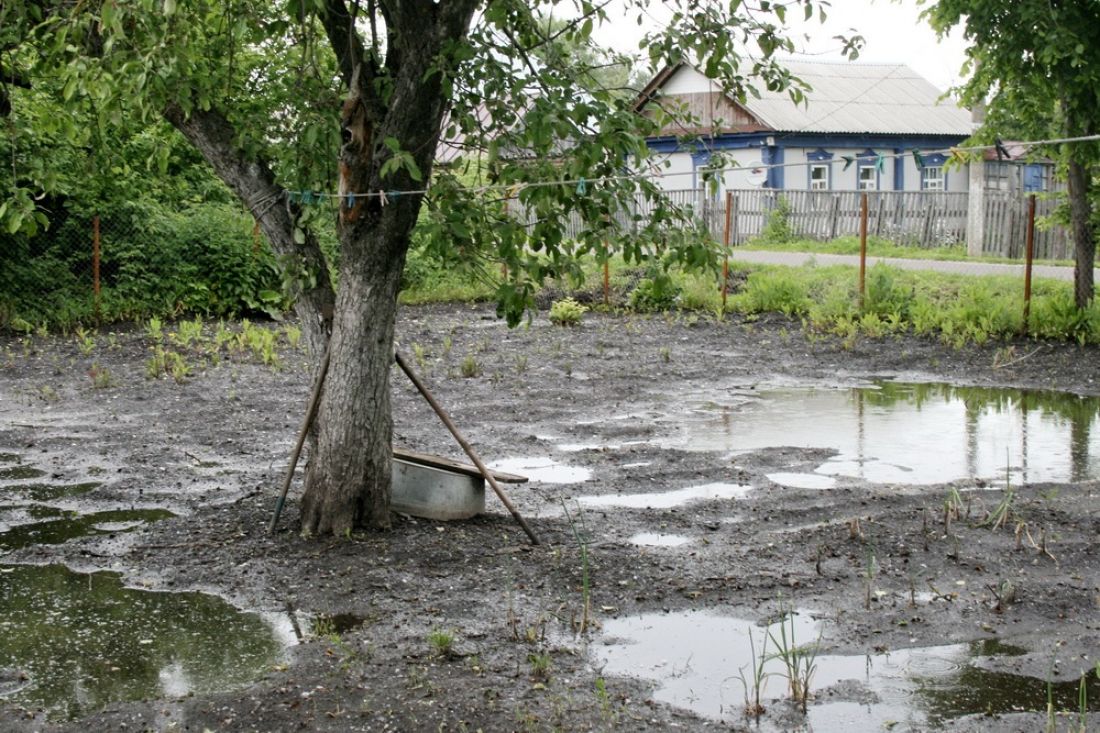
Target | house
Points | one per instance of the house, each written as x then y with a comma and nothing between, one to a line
856,131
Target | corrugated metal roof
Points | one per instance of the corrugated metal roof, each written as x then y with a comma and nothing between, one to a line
861,98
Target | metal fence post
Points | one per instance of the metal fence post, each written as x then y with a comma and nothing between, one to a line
95,265
1030,257
862,247
726,248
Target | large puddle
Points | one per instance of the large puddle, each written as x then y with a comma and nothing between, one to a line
73,642
695,659
904,433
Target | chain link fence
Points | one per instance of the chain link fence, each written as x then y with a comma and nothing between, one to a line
136,263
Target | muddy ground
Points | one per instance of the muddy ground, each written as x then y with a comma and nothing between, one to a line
213,449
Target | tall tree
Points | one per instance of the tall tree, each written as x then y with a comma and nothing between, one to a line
1036,64
287,100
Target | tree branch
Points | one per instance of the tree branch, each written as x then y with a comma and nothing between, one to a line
214,136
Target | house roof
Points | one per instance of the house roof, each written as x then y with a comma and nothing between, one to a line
861,98
848,97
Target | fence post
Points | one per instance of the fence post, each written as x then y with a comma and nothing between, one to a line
1030,255
726,248
95,265
862,246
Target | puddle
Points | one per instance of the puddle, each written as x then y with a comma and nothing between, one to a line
667,499
336,623
543,470
63,529
694,658
906,433
17,473
46,492
653,539
803,480
85,641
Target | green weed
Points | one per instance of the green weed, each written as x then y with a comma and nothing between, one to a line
799,662
442,642
567,312
469,368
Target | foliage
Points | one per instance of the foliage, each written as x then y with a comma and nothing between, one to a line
1036,66
567,312
655,292
777,228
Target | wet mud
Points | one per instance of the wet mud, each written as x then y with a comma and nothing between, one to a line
919,523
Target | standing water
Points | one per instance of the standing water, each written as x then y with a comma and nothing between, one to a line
906,433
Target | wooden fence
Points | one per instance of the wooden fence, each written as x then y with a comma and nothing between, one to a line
1005,228
912,218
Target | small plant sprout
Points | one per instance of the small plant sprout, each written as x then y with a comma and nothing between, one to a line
869,575
101,376
753,708
666,354
799,662
442,642
154,330
469,368
521,363
85,341
420,355
581,536
567,312
540,665
1001,513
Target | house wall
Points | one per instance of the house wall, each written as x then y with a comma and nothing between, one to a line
790,160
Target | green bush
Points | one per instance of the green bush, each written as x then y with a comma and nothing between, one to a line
567,312
777,229
777,290
657,292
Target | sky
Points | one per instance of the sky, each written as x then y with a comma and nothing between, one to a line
892,31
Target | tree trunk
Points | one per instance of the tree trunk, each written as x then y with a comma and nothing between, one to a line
348,477
1084,243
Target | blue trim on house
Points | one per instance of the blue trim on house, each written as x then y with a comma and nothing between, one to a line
722,142
699,159
935,159
773,155
899,169
819,155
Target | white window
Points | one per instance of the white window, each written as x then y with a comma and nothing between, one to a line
931,178
819,177
868,181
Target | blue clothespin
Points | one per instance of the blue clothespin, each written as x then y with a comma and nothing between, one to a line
880,163
848,160
582,187
919,158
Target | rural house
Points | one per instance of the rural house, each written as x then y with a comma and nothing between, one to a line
856,131
875,128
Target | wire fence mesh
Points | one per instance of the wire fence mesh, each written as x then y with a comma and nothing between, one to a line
133,264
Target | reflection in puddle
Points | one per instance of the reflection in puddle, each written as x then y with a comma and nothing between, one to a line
907,433
667,499
336,623
17,473
803,480
694,657
45,492
84,641
652,539
543,470
63,529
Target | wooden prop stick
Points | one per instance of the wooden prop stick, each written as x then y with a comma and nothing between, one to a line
311,413
485,472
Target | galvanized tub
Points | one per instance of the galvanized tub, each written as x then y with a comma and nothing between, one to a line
438,488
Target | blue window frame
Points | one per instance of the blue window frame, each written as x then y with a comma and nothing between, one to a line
933,175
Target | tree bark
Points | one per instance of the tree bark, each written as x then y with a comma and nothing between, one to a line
348,477
1084,242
